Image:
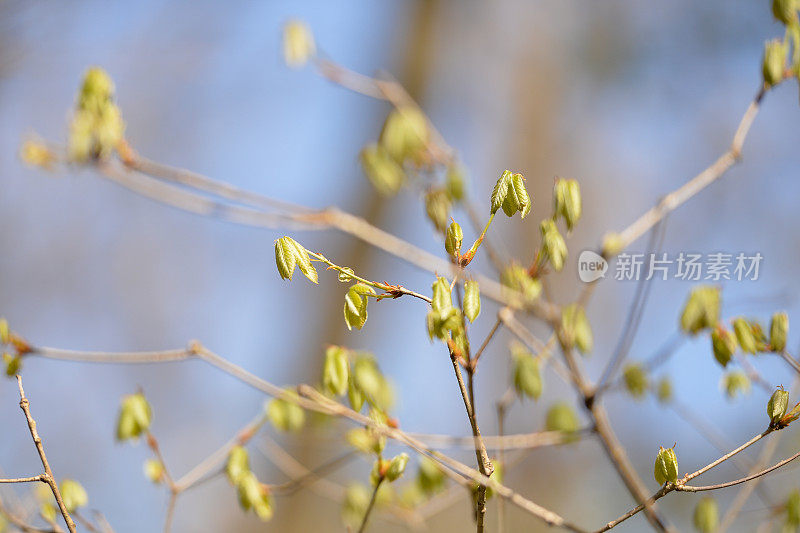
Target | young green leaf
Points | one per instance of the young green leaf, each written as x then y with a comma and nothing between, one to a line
355,305
472,300
500,191
553,245
527,378
706,515
336,370
701,310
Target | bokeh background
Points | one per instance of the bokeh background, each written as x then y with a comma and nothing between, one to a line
631,98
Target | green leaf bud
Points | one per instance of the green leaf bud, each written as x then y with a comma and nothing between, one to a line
527,378
735,383
706,515
355,305
746,335
437,208
561,417
516,278
636,381
774,61
134,417
785,11
336,370
454,239
396,467
298,43
500,191
73,495
154,471
567,201
285,415
723,342
366,440
405,134
666,466
575,329
237,465
553,245
354,396
13,364
472,300
385,174
5,332
454,183
793,509
777,406
778,330
254,495
664,390
701,310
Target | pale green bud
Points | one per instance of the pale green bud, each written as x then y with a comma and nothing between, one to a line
430,477
366,440
385,174
785,10
706,515
472,300
553,245
437,208
254,495
347,275
515,277
154,471
777,406
13,364
612,244
73,495
735,383
336,370
778,330
746,335
701,310
356,501
636,381
664,390
575,329
562,417
793,509
134,417
396,467
567,201
80,144
454,239
37,154
237,465
354,396
355,305
723,342
666,467
405,134
5,332
454,183
285,415
298,43
367,377
97,84
774,61
527,378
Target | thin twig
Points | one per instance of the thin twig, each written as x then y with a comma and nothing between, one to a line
48,473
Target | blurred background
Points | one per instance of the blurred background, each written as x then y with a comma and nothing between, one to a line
630,98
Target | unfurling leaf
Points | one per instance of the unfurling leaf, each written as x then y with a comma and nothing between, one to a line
750,335
298,43
785,11
516,278
777,406
472,300
437,208
510,193
454,183
701,310
355,305
254,495
336,370
288,254
397,466
500,191
774,61
666,466
13,364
